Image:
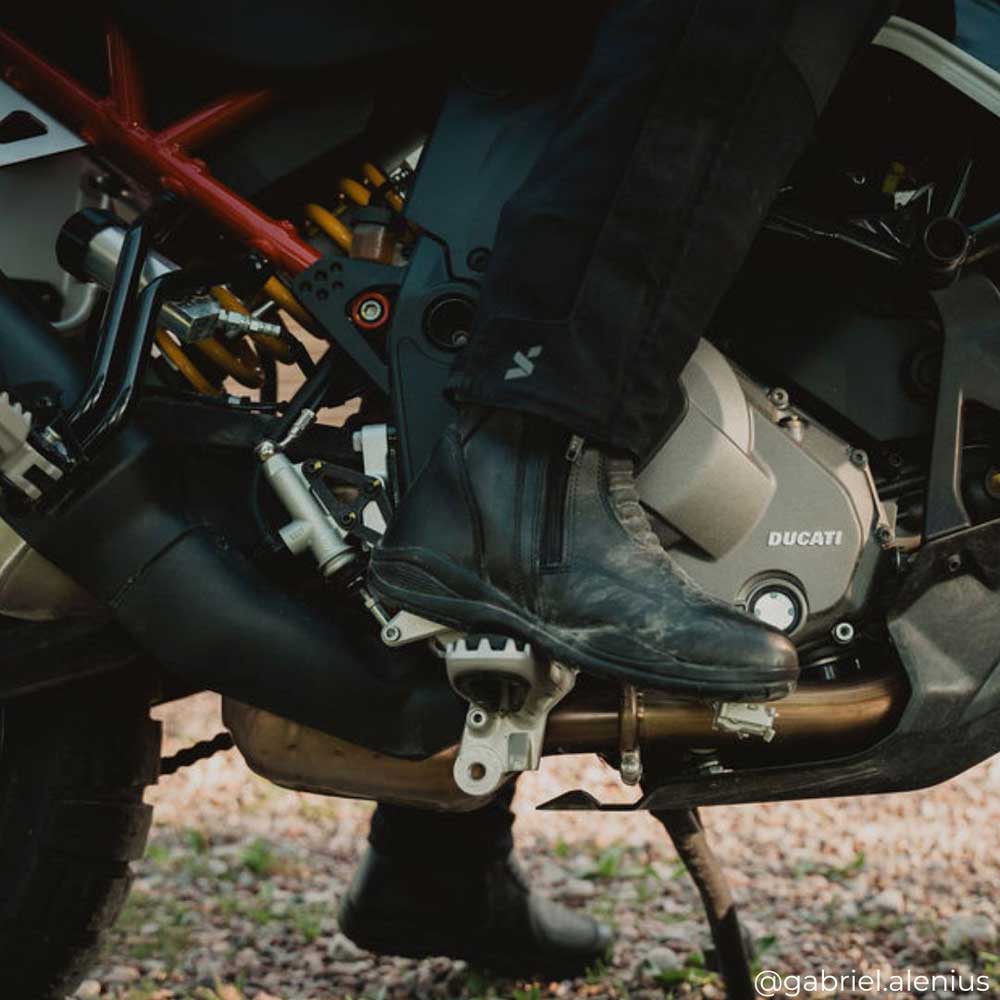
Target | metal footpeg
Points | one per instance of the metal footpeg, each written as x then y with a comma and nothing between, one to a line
18,457
511,692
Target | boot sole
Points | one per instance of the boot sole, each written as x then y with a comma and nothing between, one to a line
410,585
404,940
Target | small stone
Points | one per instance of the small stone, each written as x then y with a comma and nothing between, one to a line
849,910
684,933
343,949
228,992
247,958
88,989
150,929
663,959
889,901
123,975
969,929
577,888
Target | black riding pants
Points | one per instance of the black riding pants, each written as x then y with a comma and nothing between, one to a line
611,258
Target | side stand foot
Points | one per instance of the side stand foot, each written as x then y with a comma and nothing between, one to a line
688,835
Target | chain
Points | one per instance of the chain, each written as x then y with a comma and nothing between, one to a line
198,751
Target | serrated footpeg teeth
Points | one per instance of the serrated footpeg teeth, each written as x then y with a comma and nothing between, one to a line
511,692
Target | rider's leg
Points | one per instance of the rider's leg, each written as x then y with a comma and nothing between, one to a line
607,267
442,883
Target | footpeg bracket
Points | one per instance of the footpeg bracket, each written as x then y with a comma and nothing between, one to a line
511,693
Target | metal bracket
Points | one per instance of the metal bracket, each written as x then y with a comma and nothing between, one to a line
373,443
506,736
18,457
745,719
326,288
350,515
52,137
405,627
630,759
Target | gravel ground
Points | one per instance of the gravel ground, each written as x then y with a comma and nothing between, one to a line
236,897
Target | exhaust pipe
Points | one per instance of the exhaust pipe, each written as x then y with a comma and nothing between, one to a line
192,602
817,719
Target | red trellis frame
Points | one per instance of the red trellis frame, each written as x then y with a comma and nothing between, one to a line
118,125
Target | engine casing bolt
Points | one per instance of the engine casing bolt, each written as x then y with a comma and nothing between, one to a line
843,633
779,397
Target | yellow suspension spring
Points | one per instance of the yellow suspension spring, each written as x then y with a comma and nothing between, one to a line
361,194
240,358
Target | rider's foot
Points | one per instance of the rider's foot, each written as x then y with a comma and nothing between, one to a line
482,913
503,533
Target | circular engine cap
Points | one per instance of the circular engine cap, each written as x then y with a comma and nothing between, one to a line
448,321
777,605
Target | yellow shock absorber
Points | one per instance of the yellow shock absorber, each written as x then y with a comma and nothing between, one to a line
378,180
283,298
278,349
172,350
358,193
330,225
247,372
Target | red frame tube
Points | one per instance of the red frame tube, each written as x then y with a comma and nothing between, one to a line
217,118
118,124
126,82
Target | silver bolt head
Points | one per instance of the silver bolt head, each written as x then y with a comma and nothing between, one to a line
391,633
843,632
370,310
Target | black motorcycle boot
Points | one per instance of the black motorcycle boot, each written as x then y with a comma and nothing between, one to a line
515,528
483,913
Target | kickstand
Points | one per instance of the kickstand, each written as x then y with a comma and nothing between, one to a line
688,835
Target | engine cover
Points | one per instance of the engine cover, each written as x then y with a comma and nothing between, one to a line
772,512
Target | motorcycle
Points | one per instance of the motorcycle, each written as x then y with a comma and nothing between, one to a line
173,520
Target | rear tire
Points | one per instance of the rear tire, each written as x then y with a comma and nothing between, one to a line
73,767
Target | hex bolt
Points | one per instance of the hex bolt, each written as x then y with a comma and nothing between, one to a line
859,457
391,634
371,310
883,535
843,633
779,397
954,563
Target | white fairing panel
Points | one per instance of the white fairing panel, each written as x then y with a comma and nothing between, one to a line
964,72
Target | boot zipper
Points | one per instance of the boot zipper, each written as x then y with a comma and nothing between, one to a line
556,489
